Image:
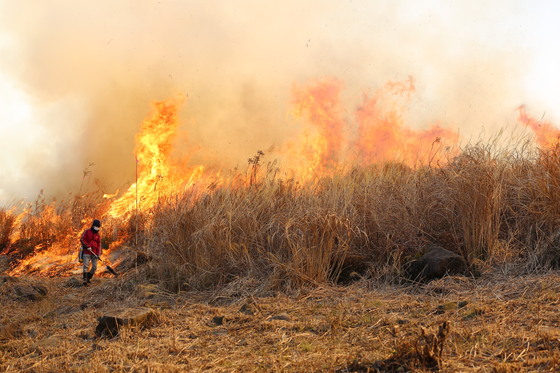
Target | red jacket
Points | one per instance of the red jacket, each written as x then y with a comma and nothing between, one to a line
91,239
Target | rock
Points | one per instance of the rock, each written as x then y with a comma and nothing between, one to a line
110,324
217,320
60,311
70,298
281,316
73,282
32,292
247,309
436,263
4,279
49,342
4,263
10,331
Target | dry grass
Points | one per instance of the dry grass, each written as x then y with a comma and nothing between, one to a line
494,325
495,207
273,247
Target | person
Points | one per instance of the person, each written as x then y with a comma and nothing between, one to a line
91,247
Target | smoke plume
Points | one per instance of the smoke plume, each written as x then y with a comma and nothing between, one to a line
90,71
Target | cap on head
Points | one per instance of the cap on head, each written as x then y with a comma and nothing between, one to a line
96,223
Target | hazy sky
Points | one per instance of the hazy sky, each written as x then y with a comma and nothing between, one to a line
77,78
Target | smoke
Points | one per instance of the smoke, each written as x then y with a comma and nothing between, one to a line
89,71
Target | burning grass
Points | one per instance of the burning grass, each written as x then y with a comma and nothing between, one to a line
289,236
314,222
494,208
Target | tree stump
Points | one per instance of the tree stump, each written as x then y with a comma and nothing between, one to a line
110,324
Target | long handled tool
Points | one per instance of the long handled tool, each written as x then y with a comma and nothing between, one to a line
106,265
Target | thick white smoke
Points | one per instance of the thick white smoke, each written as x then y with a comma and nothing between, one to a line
89,71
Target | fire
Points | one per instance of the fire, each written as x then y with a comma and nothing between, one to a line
332,138
319,103
380,132
157,173
383,136
546,136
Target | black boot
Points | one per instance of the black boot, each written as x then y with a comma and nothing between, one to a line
89,276
85,279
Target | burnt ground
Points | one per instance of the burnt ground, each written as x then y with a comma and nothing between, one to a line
496,323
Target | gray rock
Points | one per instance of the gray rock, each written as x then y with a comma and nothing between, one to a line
217,320
73,282
4,263
436,263
33,292
61,311
281,316
247,309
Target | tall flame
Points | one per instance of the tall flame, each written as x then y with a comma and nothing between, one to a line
157,173
319,103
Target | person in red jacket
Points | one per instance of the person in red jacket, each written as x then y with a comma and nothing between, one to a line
91,246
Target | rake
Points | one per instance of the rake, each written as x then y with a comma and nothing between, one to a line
106,265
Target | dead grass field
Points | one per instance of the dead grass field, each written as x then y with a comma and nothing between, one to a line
498,323
243,276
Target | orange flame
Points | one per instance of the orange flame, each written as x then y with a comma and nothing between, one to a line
319,103
546,136
156,171
382,135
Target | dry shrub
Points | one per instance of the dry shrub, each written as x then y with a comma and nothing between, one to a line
256,230
7,226
475,178
317,246
291,234
538,211
421,352
417,351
